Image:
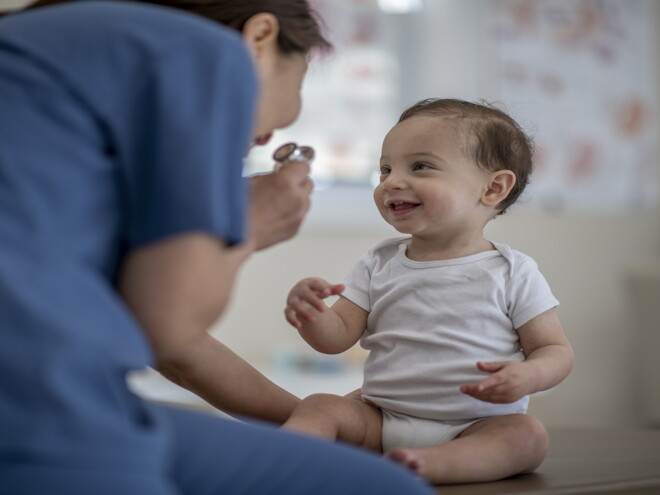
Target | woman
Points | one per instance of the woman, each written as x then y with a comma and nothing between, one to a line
122,224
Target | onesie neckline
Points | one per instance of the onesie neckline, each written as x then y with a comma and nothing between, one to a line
401,255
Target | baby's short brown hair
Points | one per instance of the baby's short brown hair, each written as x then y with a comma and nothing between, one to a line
492,138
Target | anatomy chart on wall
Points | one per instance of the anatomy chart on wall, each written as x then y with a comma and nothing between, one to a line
581,75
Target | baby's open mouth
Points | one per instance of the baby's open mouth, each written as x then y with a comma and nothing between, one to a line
398,207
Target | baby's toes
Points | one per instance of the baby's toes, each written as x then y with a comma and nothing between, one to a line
407,458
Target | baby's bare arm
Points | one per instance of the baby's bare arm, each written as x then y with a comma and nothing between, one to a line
328,330
547,350
549,359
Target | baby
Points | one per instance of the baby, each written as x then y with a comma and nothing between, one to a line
460,329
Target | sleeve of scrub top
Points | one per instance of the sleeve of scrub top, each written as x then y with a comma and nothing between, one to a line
181,151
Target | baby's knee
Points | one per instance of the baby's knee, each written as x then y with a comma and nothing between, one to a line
538,435
319,403
534,440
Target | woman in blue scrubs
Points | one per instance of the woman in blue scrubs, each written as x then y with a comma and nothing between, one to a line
124,219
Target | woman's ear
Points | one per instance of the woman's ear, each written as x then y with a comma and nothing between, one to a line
260,33
498,187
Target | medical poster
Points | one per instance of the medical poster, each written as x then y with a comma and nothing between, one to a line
581,75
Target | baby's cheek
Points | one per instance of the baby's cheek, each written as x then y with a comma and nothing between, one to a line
442,206
378,200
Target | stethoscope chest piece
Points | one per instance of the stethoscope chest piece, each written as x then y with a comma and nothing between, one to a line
292,152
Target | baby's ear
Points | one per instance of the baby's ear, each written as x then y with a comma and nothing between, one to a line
498,187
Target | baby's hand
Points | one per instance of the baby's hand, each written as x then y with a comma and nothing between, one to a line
305,300
507,383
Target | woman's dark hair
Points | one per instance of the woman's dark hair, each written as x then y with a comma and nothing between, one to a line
300,26
492,138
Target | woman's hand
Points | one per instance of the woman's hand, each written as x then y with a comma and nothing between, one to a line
279,203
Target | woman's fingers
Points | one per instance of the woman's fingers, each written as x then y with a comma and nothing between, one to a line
279,203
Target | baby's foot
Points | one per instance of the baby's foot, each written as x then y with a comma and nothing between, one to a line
408,458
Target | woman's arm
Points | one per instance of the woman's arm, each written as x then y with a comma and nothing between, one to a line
226,381
177,288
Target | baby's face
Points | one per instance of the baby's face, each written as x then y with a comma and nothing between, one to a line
428,186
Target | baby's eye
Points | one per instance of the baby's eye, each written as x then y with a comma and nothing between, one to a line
385,170
420,166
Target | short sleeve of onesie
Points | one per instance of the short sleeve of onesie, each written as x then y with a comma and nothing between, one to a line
357,284
528,292
358,281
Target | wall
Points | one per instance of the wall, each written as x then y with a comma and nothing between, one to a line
12,4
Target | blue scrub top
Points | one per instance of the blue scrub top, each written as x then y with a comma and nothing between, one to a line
120,124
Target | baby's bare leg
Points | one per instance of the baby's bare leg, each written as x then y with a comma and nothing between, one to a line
489,450
338,418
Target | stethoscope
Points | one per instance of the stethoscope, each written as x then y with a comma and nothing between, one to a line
292,152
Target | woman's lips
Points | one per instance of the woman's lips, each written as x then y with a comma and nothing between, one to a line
263,140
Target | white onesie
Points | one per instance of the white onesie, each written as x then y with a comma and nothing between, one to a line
430,322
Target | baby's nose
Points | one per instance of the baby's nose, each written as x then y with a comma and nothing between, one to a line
394,181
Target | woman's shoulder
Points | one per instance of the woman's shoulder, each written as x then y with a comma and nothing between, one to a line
141,28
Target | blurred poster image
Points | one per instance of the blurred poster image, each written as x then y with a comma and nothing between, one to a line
584,75
579,75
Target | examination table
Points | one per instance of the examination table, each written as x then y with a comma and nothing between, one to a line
585,460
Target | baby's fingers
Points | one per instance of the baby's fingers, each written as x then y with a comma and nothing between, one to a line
336,289
304,309
491,367
484,386
324,289
471,390
308,295
305,301
292,317
489,383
